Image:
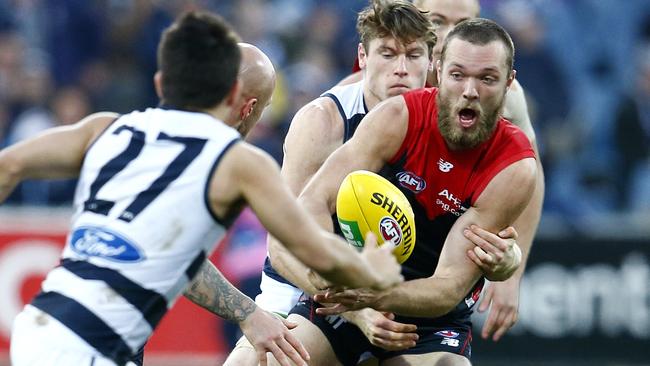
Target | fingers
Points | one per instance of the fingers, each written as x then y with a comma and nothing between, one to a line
288,324
490,324
477,260
334,310
487,241
509,233
498,322
302,351
507,323
485,258
393,336
291,347
396,327
487,299
371,239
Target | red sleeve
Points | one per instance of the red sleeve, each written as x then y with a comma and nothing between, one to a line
509,146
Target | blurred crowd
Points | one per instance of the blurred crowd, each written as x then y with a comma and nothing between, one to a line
585,65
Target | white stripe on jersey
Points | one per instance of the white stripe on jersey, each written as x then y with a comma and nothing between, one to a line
142,225
104,302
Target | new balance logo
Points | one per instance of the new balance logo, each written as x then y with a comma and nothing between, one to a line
445,166
450,342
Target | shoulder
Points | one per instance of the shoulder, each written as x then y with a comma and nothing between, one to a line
516,109
319,117
93,125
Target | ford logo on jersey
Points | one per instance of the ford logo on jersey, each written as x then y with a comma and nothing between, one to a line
95,242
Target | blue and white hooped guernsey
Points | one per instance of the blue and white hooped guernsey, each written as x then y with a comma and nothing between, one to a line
142,227
352,108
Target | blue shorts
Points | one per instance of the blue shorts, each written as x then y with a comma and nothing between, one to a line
444,334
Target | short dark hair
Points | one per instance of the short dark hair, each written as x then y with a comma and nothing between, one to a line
199,59
480,31
396,18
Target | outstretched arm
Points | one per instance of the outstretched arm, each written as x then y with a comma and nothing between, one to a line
266,332
456,273
247,174
55,153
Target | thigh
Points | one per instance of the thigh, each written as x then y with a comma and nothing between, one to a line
242,355
319,348
428,359
38,339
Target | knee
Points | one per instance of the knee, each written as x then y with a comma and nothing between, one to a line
450,359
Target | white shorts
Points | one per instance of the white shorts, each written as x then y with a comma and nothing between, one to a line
39,339
276,296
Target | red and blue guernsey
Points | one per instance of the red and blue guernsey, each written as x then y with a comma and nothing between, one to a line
442,184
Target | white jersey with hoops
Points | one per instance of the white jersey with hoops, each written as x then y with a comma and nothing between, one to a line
142,228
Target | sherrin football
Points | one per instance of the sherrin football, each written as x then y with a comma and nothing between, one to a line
368,202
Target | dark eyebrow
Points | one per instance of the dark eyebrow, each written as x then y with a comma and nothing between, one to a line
491,68
385,48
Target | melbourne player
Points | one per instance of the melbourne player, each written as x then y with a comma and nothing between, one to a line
156,191
396,56
479,169
502,298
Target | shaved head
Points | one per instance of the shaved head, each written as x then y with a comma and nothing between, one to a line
257,78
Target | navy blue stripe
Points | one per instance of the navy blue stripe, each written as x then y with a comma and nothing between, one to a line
353,123
97,138
194,267
114,166
206,192
346,132
85,324
193,147
272,273
151,304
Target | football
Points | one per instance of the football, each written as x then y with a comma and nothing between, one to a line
368,202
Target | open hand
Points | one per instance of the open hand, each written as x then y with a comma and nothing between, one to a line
386,269
268,333
382,331
502,298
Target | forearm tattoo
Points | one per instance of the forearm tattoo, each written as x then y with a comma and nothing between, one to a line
212,291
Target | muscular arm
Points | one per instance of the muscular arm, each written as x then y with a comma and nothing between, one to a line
315,132
55,153
212,291
497,207
250,175
516,110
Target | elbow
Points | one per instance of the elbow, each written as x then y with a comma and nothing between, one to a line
11,170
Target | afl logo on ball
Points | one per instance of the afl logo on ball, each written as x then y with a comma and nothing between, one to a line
390,230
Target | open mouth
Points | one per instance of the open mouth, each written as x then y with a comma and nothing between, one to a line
467,117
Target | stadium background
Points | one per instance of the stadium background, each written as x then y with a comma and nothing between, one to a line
585,65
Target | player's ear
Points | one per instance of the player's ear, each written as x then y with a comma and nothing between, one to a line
511,78
438,70
361,55
247,108
157,83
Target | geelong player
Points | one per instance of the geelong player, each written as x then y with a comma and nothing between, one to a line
479,170
156,191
